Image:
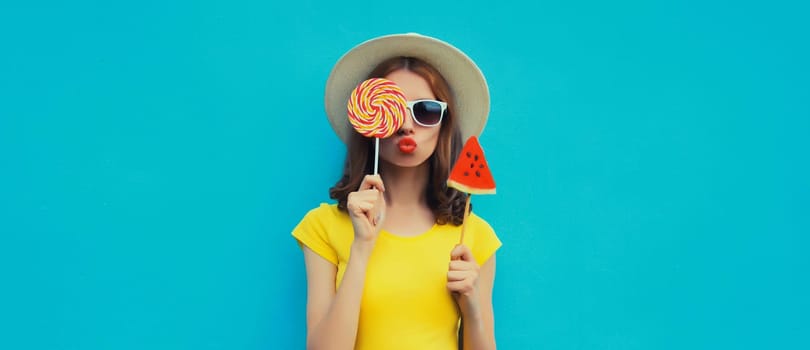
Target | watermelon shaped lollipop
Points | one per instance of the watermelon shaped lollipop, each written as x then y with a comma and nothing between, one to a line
471,174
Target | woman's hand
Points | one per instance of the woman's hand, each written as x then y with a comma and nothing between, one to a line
366,207
462,278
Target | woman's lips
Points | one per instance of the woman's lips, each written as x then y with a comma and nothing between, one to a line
407,145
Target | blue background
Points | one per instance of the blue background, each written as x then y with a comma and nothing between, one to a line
651,161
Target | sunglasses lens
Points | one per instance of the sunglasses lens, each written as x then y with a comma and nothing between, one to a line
427,112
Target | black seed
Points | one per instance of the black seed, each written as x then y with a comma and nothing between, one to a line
466,173
477,173
472,165
469,155
476,157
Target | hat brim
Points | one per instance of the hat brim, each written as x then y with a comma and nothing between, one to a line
467,84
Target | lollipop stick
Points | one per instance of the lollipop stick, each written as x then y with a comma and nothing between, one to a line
376,154
464,221
376,163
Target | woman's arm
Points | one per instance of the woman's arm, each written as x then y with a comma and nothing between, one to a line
332,316
472,287
479,327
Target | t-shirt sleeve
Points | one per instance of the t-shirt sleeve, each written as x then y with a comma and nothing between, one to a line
312,233
486,241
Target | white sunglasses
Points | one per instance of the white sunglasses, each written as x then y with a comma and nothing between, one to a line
427,113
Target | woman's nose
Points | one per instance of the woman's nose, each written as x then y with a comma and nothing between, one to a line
407,124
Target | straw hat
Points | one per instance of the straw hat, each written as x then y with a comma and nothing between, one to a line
467,84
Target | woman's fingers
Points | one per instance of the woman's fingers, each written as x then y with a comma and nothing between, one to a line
463,287
369,191
462,274
362,200
462,252
372,181
367,207
461,265
459,275
365,196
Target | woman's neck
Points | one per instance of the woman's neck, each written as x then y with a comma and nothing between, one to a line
405,186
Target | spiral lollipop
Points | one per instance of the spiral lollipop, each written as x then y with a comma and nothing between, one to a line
377,109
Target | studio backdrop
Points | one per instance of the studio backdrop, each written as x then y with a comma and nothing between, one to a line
651,160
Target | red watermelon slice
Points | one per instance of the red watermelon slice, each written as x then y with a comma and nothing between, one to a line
471,173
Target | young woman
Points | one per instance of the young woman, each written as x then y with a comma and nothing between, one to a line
385,269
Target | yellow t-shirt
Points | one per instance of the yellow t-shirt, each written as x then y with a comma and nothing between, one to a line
405,304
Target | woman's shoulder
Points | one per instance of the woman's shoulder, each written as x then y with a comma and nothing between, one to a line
476,221
320,228
484,240
324,212
325,209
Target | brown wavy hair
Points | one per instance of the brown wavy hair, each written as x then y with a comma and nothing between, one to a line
446,203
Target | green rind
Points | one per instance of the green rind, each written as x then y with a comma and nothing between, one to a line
464,188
